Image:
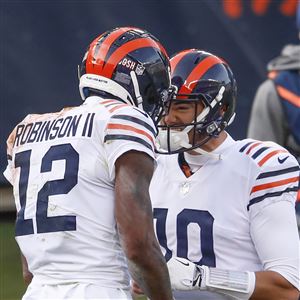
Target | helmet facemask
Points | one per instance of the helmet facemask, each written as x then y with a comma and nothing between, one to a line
202,78
206,124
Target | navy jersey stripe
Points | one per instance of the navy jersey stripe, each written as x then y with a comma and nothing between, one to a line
279,172
245,146
259,151
135,120
110,137
273,194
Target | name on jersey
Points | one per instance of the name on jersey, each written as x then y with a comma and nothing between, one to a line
41,131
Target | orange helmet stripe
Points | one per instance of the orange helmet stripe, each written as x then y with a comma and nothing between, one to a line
163,50
198,72
177,58
96,58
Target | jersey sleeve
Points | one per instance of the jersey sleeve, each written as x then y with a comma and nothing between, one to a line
128,129
277,179
8,173
275,235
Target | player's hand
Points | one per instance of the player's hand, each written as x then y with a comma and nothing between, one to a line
27,277
135,289
184,274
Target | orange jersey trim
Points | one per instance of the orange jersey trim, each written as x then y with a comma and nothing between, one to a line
253,146
187,171
274,184
117,107
110,101
130,128
269,155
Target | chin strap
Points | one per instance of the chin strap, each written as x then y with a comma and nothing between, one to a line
136,88
185,144
231,119
206,110
203,152
180,139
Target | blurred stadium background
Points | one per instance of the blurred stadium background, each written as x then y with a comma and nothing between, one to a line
42,42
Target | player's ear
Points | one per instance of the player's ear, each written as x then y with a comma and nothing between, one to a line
223,109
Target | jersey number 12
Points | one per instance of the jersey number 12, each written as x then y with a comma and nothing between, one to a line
54,187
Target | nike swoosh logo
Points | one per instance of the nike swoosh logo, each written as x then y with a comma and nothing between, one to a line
282,160
184,263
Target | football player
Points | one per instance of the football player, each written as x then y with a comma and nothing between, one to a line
81,177
225,210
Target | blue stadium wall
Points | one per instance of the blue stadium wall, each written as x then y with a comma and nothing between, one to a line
42,42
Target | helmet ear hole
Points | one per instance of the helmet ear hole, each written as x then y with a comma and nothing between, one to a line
224,108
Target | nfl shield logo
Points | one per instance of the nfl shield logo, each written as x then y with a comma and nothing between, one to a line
139,69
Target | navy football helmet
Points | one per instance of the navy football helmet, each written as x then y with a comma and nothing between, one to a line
130,64
199,76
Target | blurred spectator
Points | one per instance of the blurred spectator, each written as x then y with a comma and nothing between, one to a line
275,113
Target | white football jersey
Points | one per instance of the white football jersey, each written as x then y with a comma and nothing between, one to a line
61,166
207,217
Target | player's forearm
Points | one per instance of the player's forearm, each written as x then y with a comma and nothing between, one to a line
186,275
150,273
27,275
271,285
134,219
147,265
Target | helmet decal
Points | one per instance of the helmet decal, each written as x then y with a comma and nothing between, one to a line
196,74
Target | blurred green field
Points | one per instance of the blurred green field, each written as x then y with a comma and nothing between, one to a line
11,282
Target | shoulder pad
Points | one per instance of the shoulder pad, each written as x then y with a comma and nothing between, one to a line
264,153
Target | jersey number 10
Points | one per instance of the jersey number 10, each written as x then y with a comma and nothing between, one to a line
205,222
